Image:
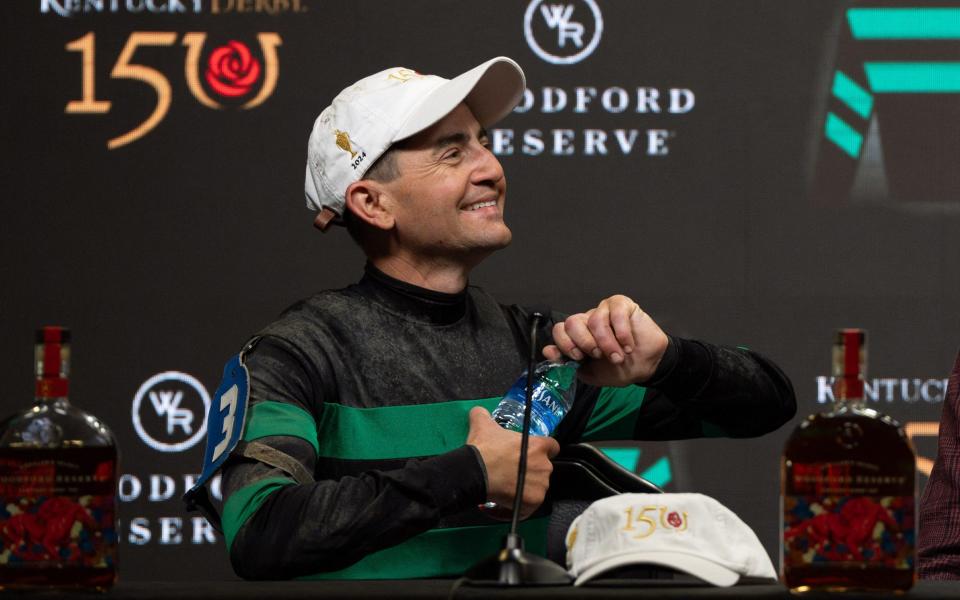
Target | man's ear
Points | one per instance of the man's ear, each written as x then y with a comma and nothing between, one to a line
370,203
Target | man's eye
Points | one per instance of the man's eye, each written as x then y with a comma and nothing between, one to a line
452,154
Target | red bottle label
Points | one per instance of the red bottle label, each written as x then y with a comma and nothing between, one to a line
869,530
58,508
849,512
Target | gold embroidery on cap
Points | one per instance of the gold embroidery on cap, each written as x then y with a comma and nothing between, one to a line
343,142
572,538
645,524
403,75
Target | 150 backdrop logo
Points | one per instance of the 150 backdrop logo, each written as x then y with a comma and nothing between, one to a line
231,72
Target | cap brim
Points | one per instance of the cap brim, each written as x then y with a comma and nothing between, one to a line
697,566
491,90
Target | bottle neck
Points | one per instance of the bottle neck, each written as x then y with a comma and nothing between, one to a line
52,369
849,366
848,391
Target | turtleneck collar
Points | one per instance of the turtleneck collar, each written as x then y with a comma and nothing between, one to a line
412,301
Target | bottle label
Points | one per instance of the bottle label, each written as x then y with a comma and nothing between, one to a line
552,395
869,531
57,508
545,410
849,512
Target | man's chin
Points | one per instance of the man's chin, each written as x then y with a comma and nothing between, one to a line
481,249
505,238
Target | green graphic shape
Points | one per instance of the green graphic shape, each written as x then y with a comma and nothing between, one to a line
845,137
904,23
913,77
628,458
894,77
658,473
850,93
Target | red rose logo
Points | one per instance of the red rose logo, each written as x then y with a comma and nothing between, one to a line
232,70
674,519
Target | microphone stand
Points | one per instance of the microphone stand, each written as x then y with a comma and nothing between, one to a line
512,565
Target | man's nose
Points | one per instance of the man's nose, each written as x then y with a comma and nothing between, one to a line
488,169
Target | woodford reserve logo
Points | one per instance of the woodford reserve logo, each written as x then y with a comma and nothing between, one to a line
633,104
228,76
566,33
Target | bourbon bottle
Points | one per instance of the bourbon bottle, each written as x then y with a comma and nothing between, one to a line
58,467
848,490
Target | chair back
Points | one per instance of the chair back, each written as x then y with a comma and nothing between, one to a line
582,474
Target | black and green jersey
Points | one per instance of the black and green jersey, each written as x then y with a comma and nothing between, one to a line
369,387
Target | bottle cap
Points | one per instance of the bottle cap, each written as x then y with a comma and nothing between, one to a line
849,361
53,334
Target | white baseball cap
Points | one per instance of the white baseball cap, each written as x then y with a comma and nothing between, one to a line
366,118
692,533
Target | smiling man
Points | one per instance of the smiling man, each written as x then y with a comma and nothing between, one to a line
442,211
368,441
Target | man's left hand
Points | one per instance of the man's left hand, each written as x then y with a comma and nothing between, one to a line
624,344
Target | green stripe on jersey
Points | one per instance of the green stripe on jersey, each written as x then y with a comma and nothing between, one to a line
395,431
615,415
278,418
392,432
241,504
441,552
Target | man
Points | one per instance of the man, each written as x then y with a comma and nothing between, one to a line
369,405
938,538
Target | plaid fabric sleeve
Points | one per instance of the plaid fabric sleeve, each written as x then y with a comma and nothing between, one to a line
938,543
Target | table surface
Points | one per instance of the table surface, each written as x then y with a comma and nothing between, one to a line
438,588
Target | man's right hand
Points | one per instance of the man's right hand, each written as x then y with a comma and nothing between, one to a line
500,451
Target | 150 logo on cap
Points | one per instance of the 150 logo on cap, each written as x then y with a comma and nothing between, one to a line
402,75
642,524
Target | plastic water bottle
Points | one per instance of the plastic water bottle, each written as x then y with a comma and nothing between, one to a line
553,390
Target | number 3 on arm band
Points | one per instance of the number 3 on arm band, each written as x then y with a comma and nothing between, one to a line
225,423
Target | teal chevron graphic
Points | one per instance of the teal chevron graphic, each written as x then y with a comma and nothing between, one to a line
913,77
892,77
840,133
904,23
850,93
658,473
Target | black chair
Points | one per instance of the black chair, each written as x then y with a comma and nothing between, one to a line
582,475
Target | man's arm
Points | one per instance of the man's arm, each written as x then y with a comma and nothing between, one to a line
714,391
279,528
691,388
938,542
284,529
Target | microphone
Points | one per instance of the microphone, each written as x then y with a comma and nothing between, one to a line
514,566
535,318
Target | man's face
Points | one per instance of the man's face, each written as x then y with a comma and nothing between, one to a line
450,193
